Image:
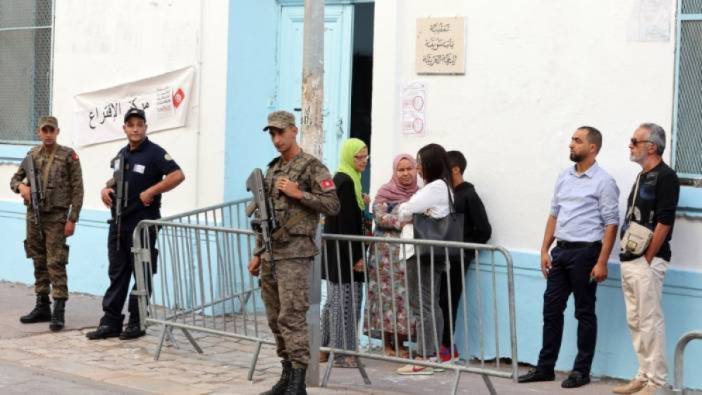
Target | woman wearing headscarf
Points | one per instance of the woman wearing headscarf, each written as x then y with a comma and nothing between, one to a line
387,292
343,267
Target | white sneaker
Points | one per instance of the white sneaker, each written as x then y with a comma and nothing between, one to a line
410,370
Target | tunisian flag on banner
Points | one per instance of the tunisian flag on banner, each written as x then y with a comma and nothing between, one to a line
165,98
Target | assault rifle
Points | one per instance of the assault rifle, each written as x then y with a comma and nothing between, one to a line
121,190
264,222
37,194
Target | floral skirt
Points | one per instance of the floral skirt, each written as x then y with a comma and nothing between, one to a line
387,305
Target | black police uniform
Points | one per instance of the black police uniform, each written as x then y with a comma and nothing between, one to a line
145,166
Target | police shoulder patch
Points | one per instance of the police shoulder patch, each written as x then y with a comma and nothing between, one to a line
74,156
167,157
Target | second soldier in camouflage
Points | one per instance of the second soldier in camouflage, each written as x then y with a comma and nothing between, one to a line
60,181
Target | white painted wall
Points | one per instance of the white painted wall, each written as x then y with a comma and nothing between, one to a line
535,71
99,44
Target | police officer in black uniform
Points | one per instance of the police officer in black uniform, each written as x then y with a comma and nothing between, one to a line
149,172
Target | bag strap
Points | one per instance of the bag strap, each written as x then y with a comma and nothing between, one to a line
630,214
452,207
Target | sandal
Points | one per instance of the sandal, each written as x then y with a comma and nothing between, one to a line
391,353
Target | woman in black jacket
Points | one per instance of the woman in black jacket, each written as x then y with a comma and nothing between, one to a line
343,265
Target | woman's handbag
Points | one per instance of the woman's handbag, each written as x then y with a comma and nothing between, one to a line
448,228
636,237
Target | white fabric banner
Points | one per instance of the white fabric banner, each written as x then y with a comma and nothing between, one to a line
165,98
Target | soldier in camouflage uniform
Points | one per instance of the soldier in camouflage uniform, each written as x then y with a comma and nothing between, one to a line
301,188
61,181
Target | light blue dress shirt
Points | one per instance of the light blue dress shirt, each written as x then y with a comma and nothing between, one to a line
584,204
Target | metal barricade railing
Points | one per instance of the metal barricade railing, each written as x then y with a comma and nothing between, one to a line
401,305
203,285
229,214
678,384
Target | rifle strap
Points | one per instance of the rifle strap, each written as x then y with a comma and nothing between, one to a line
45,170
290,223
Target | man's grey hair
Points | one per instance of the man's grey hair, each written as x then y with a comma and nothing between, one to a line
656,136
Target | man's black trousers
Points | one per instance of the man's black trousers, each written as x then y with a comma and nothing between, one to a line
570,273
121,270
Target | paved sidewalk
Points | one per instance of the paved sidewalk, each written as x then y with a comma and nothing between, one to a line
68,360
16,380
82,311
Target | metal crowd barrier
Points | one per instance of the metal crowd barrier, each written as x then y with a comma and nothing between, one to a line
678,384
229,214
402,285
200,283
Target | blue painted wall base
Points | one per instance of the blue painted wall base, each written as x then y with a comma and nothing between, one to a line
614,355
87,262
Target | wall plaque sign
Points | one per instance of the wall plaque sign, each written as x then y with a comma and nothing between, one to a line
440,46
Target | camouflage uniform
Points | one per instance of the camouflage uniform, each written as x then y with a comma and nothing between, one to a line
62,185
286,292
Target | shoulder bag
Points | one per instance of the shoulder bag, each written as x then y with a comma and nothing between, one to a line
636,237
448,228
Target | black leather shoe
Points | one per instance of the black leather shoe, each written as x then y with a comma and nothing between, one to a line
535,375
132,331
575,380
103,332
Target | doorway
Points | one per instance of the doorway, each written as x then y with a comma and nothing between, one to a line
348,66
362,79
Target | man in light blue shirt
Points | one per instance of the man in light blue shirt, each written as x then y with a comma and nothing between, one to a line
583,221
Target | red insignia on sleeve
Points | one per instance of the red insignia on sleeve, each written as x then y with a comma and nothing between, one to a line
327,184
74,156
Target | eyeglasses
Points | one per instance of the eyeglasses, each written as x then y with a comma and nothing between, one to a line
636,142
361,158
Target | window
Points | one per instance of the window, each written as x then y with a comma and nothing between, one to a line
26,28
687,124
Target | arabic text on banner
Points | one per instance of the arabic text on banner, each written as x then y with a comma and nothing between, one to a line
165,98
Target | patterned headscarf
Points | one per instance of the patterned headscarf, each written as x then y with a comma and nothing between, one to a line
349,149
393,191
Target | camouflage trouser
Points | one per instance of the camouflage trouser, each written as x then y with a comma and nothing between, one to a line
46,246
287,300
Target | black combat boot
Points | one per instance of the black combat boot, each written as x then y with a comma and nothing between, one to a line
282,384
296,386
41,311
57,320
